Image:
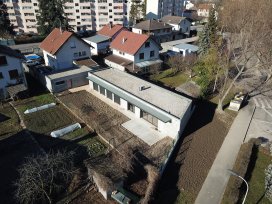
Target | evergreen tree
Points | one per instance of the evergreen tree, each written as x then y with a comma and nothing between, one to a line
51,15
212,27
208,37
6,28
133,12
204,41
143,8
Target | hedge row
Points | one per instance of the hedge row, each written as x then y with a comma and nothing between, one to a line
34,39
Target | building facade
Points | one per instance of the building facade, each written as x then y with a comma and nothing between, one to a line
156,9
11,70
61,49
81,14
168,115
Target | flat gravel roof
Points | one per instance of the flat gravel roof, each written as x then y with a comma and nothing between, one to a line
71,72
168,101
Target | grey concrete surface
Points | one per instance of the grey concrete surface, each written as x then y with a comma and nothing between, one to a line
144,130
215,184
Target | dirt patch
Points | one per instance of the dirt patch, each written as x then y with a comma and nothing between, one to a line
195,154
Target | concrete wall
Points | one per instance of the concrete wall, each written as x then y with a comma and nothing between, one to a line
65,56
69,82
114,65
137,30
12,64
123,55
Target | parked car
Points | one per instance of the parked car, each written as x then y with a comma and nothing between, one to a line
32,62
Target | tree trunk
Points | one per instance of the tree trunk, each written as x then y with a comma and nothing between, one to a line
221,100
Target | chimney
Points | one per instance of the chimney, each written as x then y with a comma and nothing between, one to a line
124,40
110,25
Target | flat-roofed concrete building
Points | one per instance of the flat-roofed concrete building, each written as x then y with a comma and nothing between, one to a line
81,14
156,9
168,112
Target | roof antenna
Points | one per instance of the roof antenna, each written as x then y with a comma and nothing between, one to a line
60,26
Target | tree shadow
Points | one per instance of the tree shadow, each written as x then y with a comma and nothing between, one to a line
16,148
248,175
3,117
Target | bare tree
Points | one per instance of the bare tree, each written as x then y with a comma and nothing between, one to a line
179,63
44,176
248,32
175,63
152,178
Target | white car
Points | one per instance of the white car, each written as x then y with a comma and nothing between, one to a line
32,63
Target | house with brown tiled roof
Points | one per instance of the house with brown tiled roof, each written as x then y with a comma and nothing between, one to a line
161,32
62,48
179,23
133,52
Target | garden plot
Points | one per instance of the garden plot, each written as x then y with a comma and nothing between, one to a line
107,121
43,122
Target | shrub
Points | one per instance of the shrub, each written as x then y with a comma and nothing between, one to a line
268,182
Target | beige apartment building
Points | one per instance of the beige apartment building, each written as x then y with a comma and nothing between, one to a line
81,14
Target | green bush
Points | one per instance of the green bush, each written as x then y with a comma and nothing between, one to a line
25,40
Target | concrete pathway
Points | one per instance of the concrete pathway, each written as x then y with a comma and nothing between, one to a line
215,184
144,130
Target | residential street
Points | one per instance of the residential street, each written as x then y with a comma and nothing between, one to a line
217,179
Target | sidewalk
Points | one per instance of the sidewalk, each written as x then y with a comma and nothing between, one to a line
215,184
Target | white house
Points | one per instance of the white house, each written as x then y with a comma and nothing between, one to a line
203,9
189,5
161,32
185,49
180,24
167,112
156,9
100,44
133,52
61,48
11,72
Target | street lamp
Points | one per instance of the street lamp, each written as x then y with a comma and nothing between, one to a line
235,174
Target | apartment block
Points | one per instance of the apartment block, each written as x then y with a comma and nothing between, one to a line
81,14
156,9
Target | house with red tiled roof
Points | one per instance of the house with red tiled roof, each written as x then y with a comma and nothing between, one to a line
111,30
133,52
62,48
67,59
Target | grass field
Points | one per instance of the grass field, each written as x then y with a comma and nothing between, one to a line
256,182
167,78
9,122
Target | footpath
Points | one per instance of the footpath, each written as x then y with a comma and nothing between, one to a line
215,184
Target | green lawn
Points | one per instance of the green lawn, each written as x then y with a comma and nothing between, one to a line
185,198
9,121
45,121
77,133
169,79
256,183
35,101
